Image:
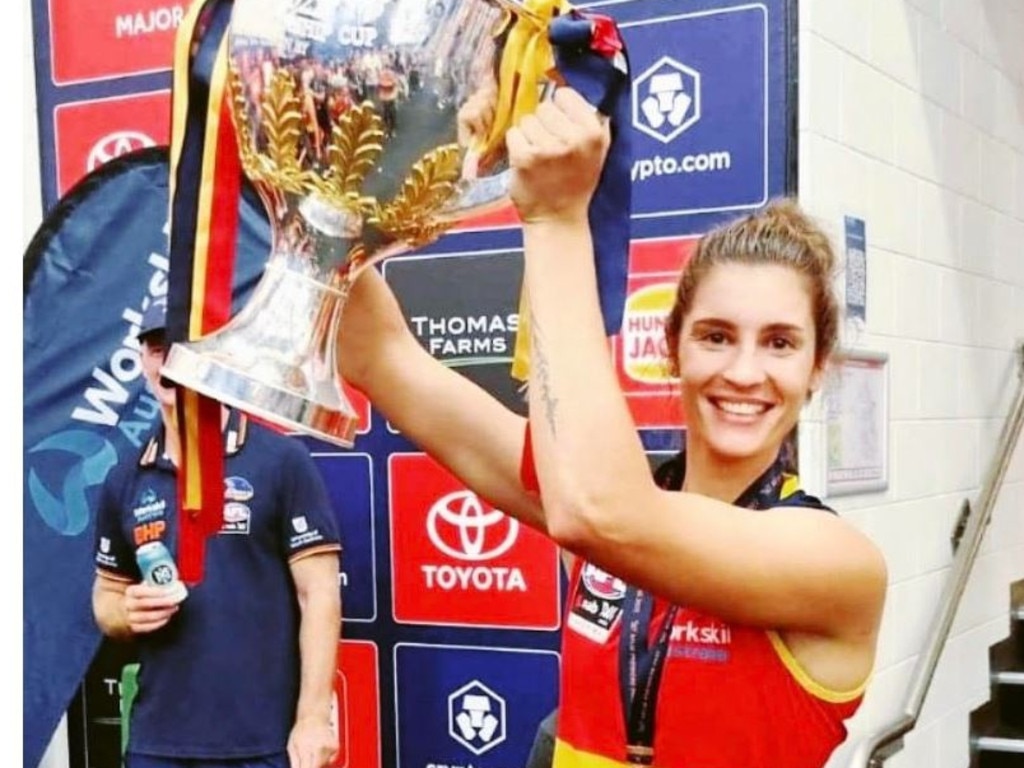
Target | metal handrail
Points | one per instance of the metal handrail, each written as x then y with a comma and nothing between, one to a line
887,740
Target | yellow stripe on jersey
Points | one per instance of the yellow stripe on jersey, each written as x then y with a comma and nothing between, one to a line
790,485
806,681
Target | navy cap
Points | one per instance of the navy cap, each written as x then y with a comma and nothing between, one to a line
154,318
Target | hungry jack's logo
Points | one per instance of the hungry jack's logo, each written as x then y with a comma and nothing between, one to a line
641,352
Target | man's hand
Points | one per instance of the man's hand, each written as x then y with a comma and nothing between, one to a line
148,607
312,743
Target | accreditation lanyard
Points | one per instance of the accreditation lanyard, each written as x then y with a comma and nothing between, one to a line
640,667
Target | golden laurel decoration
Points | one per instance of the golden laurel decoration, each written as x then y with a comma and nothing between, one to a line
355,146
430,184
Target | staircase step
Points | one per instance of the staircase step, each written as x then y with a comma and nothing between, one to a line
1003,748
1009,692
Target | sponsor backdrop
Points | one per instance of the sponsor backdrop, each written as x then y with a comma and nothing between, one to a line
452,610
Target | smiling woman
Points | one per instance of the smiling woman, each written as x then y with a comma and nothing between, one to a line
717,615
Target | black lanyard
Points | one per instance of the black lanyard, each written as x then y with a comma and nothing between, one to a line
640,667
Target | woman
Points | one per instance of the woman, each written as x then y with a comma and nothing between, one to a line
718,616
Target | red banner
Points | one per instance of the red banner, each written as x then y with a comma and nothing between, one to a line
115,38
89,133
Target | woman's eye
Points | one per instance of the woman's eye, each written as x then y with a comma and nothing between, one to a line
781,342
715,337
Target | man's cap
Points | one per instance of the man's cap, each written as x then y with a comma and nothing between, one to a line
154,318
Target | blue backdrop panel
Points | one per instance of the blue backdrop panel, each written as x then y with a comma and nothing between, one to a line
463,705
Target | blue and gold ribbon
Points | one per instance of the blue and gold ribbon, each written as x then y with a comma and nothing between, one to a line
584,51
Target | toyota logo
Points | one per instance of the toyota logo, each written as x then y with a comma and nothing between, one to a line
114,145
459,526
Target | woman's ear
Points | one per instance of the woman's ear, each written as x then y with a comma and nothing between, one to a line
817,377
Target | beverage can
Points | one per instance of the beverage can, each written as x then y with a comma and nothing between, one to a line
157,566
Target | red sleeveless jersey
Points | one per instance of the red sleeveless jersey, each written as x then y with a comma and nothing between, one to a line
730,696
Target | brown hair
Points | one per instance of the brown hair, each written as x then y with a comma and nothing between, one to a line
779,234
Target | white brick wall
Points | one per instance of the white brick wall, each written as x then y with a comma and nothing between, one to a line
912,117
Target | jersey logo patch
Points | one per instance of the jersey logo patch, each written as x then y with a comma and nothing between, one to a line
597,604
237,517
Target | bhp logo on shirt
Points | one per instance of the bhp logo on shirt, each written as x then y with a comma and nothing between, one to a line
458,560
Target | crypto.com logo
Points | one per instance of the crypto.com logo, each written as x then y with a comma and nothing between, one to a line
476,717
61,498
114,145
459,526
666,99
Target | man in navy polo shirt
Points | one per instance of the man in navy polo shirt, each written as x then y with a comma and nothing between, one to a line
240,672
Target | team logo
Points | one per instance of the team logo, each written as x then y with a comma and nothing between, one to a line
666,99
238,489
61,496
602,584
114,145
459,526
476,717
299,524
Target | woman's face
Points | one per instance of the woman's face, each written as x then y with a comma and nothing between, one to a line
746,360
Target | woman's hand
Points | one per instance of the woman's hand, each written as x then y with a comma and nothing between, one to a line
475,119
556,155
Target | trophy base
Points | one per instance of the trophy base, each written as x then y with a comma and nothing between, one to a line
291,410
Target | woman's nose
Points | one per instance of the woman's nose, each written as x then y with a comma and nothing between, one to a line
744,368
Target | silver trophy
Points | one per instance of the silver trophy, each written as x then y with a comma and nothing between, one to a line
346,115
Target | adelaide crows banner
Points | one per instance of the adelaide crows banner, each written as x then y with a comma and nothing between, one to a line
96,263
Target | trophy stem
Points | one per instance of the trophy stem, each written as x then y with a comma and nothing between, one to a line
277,358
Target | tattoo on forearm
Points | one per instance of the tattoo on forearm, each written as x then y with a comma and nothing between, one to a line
542,371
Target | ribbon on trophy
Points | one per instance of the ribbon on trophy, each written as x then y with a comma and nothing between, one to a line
205,183
590,56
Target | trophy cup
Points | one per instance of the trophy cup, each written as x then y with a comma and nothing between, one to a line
346,118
